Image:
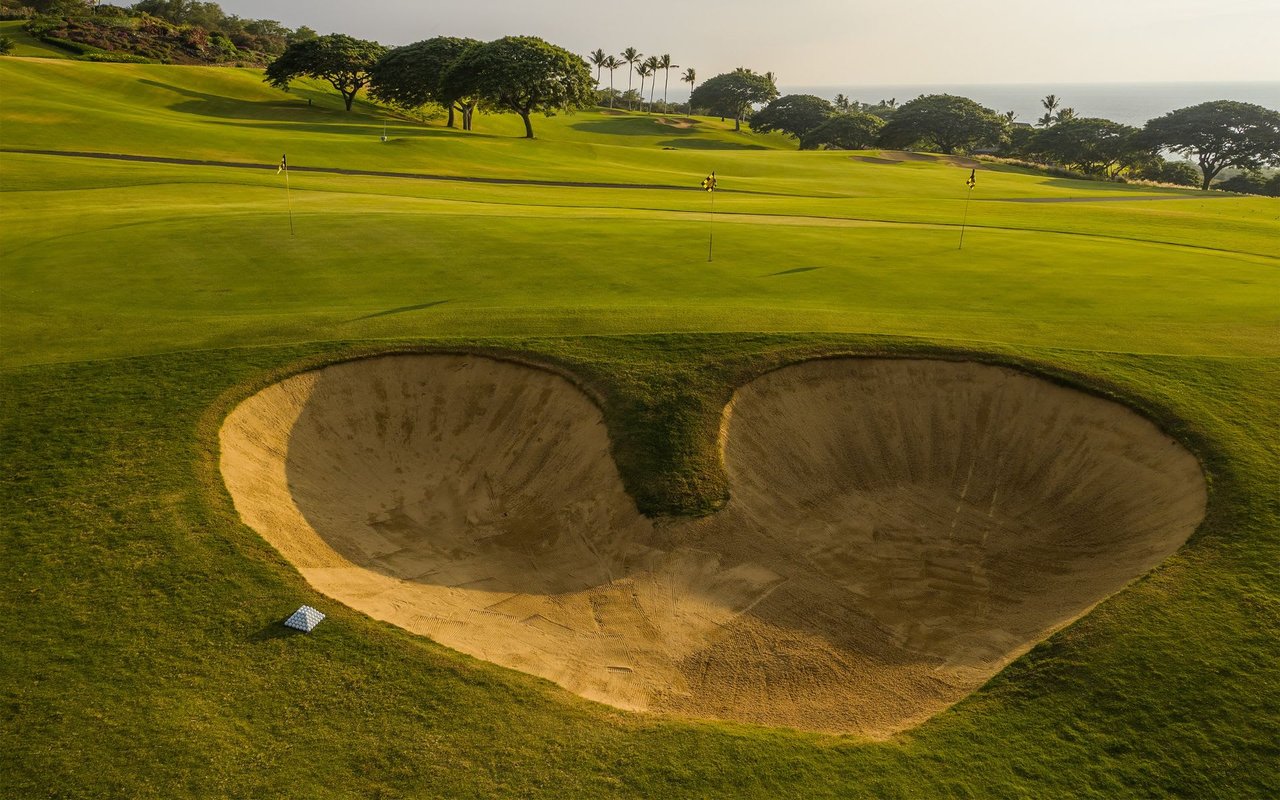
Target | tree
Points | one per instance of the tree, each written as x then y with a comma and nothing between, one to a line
944,121
596,59
524,74
1065,115
690,77
1179,173
1250,182
731,94
667,66
654,64
793,114
1050,103
413,75
1094,146
1220,134
337,58
611,63
630,56
643,71
843,103
853,130
6,45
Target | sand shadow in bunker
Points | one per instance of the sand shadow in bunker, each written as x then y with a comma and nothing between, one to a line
898,531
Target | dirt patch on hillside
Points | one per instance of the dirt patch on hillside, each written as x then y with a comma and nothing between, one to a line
676,123
899,530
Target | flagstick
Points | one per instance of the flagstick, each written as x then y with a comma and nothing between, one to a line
288,195
711,224
966,217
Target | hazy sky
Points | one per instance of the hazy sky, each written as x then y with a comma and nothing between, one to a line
825,42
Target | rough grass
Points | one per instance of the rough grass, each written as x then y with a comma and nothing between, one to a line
140,650
144,657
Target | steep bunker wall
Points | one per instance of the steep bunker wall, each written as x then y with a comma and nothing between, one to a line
899,530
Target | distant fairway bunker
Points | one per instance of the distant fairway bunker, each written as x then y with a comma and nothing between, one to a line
899,530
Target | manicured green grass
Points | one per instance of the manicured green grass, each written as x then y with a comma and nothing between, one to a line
143,655
140,652
27,46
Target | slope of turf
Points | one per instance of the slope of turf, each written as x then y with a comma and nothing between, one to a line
141,654
27,46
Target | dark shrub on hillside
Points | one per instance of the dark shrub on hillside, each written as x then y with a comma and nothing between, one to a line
1251,183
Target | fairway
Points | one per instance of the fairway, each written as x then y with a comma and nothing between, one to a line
591,513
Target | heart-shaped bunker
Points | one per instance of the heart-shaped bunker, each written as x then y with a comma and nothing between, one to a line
899,530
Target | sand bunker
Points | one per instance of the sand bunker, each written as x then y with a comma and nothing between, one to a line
899,530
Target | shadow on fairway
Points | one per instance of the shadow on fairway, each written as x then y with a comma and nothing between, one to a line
400,310
631,126
709,144
291,114
791,271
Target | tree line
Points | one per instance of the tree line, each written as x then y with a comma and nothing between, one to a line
520,74
1219,134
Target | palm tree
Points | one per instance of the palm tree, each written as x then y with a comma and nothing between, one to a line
1050,103
611,64
630,56
690,76
654,64
597,61
644,71
667,66
1010,116
1065,114
841,102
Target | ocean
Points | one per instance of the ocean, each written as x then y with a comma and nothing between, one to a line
1130,103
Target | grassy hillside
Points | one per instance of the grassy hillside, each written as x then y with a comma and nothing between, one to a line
140,650
27,46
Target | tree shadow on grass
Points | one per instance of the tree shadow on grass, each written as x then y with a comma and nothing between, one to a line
399,310
709,144
791,271
631,126
289,114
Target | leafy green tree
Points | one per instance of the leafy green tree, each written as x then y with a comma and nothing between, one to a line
413,75
731,94
337,58
792,114
524,74
1094,146
301,34
851,130
944,121
6,45
1250,182
630,57
1179,173
1220,134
